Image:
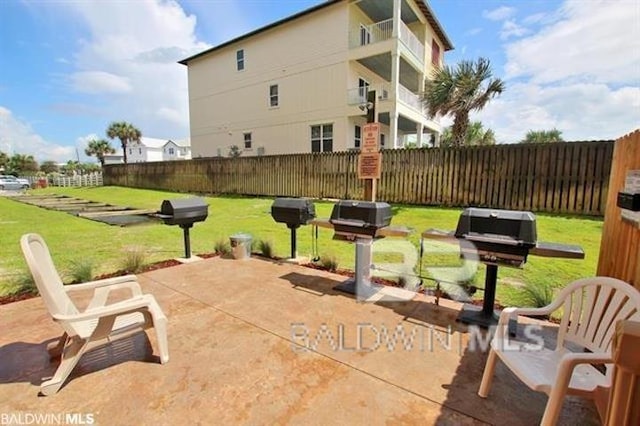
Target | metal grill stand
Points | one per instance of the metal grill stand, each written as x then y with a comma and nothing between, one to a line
187,240
361,285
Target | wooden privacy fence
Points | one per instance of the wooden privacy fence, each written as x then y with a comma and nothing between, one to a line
620,246
559,177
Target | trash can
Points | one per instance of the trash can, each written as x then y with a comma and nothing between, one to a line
241,246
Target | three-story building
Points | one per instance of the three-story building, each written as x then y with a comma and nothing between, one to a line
301,84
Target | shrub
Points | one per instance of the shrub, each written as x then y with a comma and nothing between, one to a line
222,247
134,258
537,295
330,263
23,283
81,271
265,248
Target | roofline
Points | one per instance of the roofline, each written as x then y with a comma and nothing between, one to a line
422,4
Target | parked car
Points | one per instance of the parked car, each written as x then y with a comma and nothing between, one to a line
12,182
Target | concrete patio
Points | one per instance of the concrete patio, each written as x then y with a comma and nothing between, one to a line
249,343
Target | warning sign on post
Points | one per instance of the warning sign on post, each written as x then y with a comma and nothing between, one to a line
370,141
369,165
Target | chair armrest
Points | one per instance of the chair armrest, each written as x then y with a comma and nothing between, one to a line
115,309
132,280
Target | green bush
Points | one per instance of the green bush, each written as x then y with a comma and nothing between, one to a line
266,248
537,295
81,271
330,263
23,283
222,247
134,259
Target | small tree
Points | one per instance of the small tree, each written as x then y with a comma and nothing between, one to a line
476,135
543,136
126,132
234,151
21,164
458,91
49,167
99,148
4,160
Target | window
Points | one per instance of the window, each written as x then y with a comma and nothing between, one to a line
381,140
273,95
247,140
435,53
363,89
130,151
240,59
140,151
171,151
322,138
365,35
357,136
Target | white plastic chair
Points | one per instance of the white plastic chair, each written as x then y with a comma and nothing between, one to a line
99,324
591,308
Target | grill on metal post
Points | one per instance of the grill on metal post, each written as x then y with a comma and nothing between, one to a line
184,212
351,219
294,212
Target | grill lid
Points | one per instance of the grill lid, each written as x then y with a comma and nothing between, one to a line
183,211
360,218
293,211
505,227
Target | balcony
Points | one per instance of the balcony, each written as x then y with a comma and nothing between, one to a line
410,99
382,31
358,95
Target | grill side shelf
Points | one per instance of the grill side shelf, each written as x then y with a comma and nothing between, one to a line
566,251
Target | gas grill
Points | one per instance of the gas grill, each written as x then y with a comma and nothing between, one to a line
500,238
503,237
184,212
352,219
294,212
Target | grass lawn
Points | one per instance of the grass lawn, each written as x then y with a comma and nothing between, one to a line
72,239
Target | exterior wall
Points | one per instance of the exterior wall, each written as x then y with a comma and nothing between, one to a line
306,58
179,152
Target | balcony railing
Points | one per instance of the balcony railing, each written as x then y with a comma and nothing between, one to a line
368,34
383,30
408,97
358,95
412,42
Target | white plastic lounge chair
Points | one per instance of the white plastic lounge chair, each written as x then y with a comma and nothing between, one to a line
591,308
99,324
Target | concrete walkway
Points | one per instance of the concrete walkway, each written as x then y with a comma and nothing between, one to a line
258,342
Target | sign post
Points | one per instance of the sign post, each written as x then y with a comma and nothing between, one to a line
370,160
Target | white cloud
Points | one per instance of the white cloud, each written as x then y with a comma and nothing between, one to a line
136,65
17,137
511,29
99,82
499,14
600,42
582,111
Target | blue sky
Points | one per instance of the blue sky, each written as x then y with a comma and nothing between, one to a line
69,68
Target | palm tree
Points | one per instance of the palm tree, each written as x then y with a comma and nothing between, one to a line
476,135
99,148
543,136
468,87
21,163
126,132
4,161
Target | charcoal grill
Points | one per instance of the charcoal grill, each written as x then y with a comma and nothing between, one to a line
364,219
184,212
500,238
294,212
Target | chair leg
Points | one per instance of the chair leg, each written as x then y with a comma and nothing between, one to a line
487,376
56,351
556,396
161,336
70,357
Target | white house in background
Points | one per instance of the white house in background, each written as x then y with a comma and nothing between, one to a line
116,158
152,149
301,84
